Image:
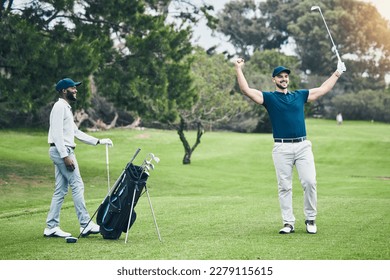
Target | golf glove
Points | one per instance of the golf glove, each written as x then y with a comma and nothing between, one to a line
341,67
106,141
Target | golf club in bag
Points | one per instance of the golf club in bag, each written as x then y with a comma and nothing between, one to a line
116,213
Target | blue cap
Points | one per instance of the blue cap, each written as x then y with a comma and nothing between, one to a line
279,70
66,83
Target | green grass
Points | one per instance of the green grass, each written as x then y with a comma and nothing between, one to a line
222,206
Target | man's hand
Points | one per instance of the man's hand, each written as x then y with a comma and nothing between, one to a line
69,164
106,141
341,67
239,62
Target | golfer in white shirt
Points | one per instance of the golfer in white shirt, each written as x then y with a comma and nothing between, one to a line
61,136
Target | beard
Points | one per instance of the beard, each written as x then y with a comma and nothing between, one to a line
280,86
70,95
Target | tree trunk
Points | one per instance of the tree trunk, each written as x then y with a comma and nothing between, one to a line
80,116
100,125
187,148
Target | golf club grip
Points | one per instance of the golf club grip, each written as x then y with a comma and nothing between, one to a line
338,56
135,155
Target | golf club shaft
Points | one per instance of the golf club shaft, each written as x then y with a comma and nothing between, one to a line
135,154
330,35
108,169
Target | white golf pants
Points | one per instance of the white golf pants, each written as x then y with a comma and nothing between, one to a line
285,156
64,179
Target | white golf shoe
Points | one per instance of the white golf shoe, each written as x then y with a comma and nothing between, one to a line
55,232
311,226
287,228
91,228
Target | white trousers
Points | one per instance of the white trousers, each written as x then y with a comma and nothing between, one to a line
64,179
285,156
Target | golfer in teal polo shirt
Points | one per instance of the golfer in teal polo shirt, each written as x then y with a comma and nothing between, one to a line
291,147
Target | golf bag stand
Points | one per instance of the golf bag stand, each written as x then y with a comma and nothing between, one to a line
143,170
130,222
154,216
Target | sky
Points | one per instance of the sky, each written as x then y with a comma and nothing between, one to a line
203,37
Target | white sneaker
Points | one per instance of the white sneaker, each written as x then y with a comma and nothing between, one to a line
55,232
311,226
91,228
287,229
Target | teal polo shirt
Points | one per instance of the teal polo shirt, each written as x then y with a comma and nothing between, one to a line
286,112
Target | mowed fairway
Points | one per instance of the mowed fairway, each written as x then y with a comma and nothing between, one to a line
222,206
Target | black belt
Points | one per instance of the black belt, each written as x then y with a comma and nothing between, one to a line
290,140
53,145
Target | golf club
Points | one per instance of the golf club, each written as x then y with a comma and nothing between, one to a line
334,49
147,165
71,239
108,169
153,157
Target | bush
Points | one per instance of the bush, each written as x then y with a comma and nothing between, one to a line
364,105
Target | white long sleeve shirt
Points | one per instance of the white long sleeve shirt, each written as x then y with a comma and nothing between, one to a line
63,130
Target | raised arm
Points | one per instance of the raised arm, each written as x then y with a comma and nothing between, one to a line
316,93
254,94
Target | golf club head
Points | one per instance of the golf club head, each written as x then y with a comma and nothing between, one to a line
153,157
148,166
70,239
315,8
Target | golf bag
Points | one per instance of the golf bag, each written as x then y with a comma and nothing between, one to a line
113,216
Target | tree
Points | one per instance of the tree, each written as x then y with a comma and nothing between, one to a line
247,31
217,103
145,73
361,34
36,50
362,37
134,55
